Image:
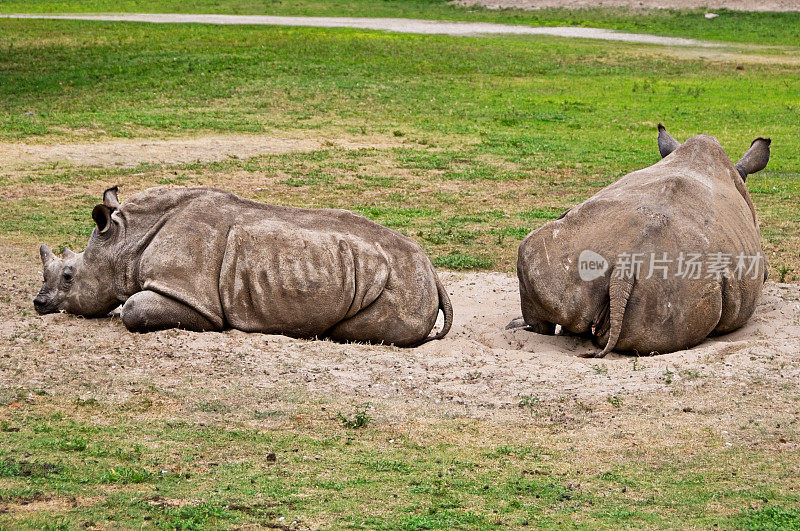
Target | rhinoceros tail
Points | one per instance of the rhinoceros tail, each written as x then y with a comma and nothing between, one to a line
447,310
619,291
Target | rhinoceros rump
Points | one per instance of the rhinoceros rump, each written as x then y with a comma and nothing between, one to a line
204,259
617,266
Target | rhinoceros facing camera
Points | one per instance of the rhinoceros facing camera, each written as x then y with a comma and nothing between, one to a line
204,259
656,261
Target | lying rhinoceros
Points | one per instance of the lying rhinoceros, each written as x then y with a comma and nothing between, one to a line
204,259
656,261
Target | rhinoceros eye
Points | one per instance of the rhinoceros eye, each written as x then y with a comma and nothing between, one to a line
67,274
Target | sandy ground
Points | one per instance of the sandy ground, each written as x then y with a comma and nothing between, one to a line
428,27
478,370
739,5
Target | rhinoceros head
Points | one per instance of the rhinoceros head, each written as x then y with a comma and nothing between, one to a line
82,283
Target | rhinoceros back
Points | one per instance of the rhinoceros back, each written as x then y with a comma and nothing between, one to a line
277,277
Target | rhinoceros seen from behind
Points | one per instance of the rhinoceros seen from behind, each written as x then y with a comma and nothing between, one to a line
656,261
204,259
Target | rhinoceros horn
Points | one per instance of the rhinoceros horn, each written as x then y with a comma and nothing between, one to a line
755,159
68,253
666,144
46,254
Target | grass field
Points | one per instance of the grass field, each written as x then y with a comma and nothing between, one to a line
474,142
92,464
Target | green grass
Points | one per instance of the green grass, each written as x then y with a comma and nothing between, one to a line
166,472
507,131
128,80
731,26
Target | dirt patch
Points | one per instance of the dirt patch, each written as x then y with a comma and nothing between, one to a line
739,5
131,153
479,370
40,502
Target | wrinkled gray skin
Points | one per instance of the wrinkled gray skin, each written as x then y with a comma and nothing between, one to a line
692,201
204,259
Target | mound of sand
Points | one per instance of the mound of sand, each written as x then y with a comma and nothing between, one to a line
478,370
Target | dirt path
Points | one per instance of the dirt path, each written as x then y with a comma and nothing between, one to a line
738,5
125,153
403,25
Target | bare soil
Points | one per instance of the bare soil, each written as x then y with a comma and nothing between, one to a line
123,153
479,370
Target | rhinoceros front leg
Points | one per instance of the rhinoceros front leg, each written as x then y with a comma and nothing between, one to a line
148,311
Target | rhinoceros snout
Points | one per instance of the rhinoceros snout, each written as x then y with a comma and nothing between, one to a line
41,306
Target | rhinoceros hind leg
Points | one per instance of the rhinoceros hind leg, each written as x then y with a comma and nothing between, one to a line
566,332
532,325
392,319
519,322
148,311
601,323
595,354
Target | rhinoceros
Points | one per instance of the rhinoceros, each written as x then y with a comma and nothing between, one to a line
654,262
204,259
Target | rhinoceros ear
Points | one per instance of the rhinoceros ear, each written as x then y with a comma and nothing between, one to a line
755,159
666,144
46,255
110,198
102,216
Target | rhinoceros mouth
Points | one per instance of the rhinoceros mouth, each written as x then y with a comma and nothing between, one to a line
43,308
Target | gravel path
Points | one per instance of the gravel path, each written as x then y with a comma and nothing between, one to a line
403,25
